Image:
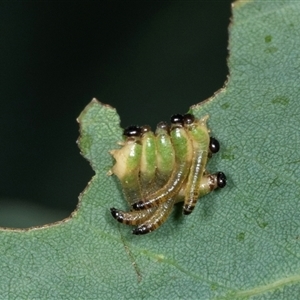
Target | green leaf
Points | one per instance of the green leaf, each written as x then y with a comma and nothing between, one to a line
240,242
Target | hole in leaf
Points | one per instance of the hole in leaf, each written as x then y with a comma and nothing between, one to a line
147,59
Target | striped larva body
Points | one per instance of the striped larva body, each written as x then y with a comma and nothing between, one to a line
199,136
158,170
165,154
127,166
148,159
183,159
150,219
164,165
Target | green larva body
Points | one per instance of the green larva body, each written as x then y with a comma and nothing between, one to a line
158,170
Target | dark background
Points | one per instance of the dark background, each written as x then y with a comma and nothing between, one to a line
149,59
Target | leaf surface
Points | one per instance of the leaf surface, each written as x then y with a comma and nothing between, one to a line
241,242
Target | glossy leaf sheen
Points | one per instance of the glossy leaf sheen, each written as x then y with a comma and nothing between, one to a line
240,242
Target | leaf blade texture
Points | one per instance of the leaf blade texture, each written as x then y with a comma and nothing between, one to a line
242,242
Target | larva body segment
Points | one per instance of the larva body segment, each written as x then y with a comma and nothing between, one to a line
157,219
165,154
134,217
127,168
148,158
162,166
208,183
150,219
159,170
199,136
183,158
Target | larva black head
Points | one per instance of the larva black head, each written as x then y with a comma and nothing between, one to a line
177,119
214,145
116,214
163,125
188,209
221,179
138,205
145,128
188,119
132,131
143,229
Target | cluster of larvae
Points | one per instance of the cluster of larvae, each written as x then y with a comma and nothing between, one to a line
157,170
